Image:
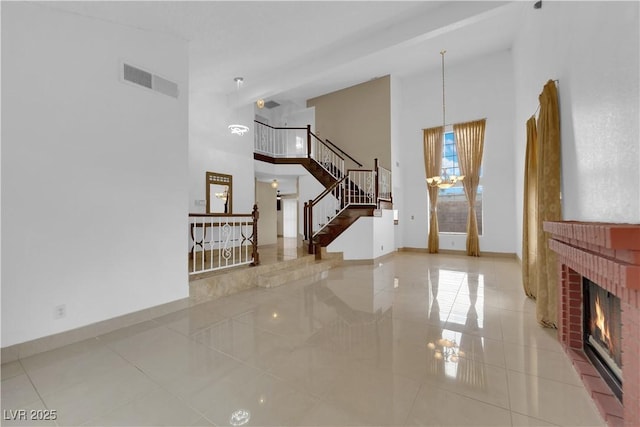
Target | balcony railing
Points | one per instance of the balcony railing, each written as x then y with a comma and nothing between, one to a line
221,241
384,183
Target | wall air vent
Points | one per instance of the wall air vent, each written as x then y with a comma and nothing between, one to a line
144,78
271,104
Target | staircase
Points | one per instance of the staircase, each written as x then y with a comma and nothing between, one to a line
340,223
349,193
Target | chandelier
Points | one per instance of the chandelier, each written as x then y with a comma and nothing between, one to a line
446,180
238,129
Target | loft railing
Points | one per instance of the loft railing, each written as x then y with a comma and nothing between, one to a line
383,183
281,142
221,241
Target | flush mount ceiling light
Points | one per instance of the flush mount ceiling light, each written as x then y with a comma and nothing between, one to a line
446,180
260,103
274,183
238,129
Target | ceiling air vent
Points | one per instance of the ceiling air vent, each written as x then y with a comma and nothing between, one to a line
271,104
144,78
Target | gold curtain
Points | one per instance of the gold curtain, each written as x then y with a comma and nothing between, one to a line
470,145
530,212
547,202
432,167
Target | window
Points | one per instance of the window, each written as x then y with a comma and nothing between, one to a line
452,203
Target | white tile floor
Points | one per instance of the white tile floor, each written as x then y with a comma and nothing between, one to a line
360,345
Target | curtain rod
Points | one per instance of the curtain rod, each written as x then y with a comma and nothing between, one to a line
451,124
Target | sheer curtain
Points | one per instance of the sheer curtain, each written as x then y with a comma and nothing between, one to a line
530,212
470,145
542,203
432,167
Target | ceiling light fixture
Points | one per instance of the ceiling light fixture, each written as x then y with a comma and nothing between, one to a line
238,129
274,183
446,180
260,103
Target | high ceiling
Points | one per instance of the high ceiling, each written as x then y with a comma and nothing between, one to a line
295,50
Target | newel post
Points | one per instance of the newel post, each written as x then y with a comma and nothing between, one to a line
254,243
376,167
309,141
305,226
310,225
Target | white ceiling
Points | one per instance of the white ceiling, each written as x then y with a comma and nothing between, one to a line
300,49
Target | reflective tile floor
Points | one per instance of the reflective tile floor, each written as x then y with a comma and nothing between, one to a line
420,339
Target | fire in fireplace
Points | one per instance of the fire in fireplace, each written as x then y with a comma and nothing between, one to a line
603,329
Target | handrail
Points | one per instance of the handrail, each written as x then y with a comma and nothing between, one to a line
274,127
328,190
223,215
339,149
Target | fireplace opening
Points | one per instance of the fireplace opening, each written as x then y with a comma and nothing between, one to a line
603,331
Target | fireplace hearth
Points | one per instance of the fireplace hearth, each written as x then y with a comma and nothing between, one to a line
599,325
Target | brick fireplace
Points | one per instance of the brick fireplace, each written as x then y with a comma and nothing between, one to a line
609,255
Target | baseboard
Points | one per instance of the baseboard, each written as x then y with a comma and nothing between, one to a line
51,342
462,253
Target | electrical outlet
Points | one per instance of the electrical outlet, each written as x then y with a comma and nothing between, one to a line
411,216
59,311
201,202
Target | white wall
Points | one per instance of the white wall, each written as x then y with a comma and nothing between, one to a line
396,154
475,89
592,49
213,148
94,172
367,238
268,222
308,189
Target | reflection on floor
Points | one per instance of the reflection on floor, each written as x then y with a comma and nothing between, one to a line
417,340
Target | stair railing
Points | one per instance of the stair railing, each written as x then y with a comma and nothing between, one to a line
321,210
300,142
326,156
345,154
356,188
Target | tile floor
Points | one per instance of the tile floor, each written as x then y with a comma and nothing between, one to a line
417,340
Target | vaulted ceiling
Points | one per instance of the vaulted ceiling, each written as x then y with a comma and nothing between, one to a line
300,49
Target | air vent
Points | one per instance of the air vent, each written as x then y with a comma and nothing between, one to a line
144,78
271,104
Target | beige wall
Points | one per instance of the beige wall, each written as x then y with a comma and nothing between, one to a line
358,120
268,223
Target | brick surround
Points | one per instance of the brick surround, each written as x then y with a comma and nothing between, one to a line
609,255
